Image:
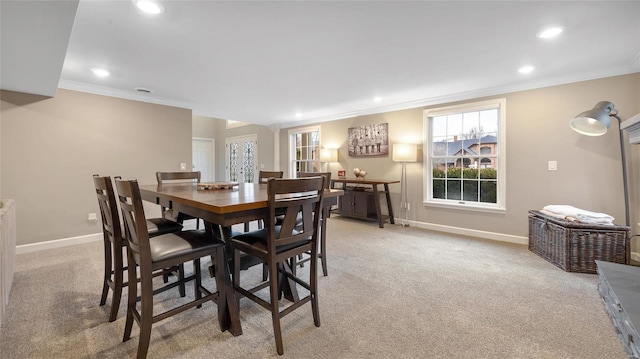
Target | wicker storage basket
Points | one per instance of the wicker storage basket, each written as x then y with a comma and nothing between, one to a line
575,246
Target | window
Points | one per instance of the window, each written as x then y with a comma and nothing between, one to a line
304,150
465,157
234,124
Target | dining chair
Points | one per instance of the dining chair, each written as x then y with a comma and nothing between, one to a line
263,177
325,214
176,177
114,267
169,250
276,245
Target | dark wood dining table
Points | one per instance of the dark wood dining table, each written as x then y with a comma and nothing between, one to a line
222,208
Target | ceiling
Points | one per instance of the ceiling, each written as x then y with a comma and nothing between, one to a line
289,63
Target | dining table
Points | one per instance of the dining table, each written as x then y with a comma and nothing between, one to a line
233,204
222,205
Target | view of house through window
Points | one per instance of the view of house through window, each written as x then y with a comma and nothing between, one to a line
304,147
464,155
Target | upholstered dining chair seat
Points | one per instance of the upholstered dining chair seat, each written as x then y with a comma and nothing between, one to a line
172,245
259,238
160,226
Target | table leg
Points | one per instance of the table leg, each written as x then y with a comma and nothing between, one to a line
376,200
228,312
287,285
389,207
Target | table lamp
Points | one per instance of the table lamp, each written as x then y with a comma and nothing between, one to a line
328,155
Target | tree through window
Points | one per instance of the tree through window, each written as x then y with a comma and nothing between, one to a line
465,151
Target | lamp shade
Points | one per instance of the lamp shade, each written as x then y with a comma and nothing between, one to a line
405,152
329,155
594,122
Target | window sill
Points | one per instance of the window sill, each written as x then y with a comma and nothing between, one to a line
468,206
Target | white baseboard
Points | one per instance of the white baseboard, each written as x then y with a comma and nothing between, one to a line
635,256
469,232
34,247
57,243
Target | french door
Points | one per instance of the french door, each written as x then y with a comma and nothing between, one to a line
241,158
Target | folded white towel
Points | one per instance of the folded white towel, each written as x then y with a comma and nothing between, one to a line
559,216
597,218
581,214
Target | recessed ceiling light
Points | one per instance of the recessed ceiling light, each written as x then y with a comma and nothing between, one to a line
526,69
100,72
298,114
377,99
550,32
149,6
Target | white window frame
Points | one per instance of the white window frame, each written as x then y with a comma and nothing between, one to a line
235,124
500,205
292,147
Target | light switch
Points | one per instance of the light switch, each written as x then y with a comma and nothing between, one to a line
552,165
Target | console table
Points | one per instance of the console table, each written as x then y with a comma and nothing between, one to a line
361,199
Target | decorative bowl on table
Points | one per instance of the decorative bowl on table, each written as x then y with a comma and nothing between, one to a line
217,185
359,173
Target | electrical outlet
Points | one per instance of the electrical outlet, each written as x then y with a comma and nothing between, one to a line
183,167
552,165
92,217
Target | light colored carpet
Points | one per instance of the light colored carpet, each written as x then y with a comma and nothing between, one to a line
391,293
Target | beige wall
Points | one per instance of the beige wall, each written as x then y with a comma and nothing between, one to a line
207,127
216,128
51,147
537,126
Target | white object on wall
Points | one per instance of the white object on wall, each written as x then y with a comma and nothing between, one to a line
632,125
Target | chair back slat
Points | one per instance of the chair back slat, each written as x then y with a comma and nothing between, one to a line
135,232
307,221
264,176
163,177
327,182
289,222
298,197
108,209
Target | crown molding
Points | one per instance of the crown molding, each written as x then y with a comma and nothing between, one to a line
632,67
